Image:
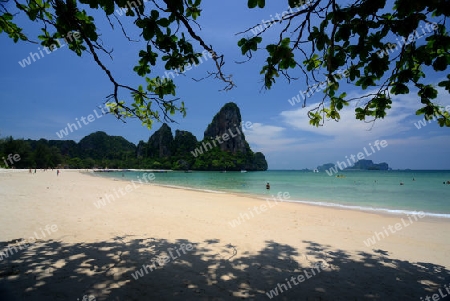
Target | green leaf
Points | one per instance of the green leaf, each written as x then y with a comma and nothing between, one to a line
440,64
445,84
360,114
312,63
154,14
315,118
252,3
163,22
399,88
427,92
109,7
295,3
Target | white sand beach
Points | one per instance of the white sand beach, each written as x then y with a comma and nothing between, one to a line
75,248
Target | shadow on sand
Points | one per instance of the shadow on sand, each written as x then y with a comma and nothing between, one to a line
213,270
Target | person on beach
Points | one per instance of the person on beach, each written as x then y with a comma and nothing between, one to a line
57,172
267,185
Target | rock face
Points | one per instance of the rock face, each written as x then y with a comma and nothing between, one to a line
141,149
223,147
160,143
228,122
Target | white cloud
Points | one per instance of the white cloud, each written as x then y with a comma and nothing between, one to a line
269,138
430,142
348,128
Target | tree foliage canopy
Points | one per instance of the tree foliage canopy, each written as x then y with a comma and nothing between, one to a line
372,44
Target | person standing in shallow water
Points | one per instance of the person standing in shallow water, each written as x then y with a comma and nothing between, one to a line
267,185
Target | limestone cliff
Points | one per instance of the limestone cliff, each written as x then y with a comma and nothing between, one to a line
227,123
160,143
223,148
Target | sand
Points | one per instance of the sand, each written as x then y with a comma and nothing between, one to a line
75,250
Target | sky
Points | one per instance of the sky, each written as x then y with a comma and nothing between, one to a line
40,99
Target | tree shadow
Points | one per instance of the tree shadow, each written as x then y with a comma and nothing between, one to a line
213,270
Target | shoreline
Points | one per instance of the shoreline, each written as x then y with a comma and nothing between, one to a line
387,212
316,203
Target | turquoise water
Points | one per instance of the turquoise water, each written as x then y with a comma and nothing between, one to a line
365,190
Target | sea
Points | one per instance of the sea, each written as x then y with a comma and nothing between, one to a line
396,192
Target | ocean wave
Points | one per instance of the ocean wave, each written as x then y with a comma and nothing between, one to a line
372,209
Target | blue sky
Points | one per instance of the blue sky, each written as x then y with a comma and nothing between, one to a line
40,99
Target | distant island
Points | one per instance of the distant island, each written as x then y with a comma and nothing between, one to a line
223,147
368,165
331,168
